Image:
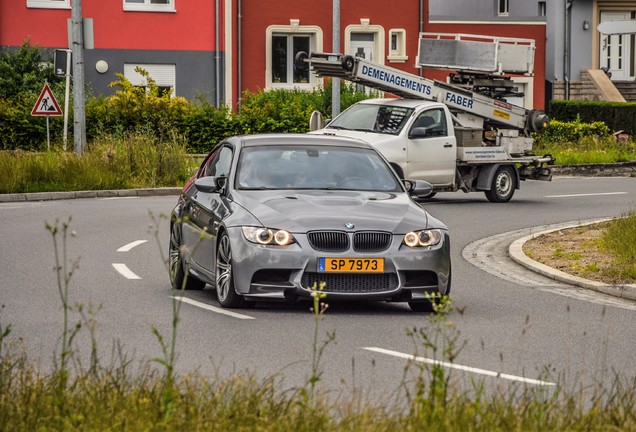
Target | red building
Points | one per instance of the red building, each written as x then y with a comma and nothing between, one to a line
218,49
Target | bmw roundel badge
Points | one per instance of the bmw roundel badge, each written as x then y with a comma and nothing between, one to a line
349,225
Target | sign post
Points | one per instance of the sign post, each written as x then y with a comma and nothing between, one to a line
46,105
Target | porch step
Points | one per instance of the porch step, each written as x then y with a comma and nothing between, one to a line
627,89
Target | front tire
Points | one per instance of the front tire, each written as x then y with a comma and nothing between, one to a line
225,291
503,185
178,277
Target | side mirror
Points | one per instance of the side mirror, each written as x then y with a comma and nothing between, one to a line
419,132
418,188
210,184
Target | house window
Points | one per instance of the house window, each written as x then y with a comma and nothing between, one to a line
283,43
397,45
49,4
163,75
284,49
503,8
149,5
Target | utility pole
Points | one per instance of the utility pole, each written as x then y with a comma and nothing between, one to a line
335,82
79,118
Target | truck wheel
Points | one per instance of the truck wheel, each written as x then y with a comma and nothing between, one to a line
347,63
503,185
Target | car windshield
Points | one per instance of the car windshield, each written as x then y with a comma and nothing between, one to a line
314,167
383,119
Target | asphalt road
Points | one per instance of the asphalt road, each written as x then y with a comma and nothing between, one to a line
516,327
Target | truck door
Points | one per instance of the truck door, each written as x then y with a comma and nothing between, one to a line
431,148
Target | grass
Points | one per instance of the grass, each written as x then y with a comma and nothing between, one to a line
589,150
132,161
619,239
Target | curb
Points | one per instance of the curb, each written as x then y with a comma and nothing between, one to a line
49,196
515,251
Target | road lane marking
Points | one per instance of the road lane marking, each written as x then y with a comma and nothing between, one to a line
118,198
125,271
459,367
131,245
586,195
212,308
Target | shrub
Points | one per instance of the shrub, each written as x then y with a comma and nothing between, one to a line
619,116
572,131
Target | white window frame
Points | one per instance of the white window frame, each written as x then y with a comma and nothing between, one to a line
397,55
294,28
503,7
366,27
165,75
49,4
146,6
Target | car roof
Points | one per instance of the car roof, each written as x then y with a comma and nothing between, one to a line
300,139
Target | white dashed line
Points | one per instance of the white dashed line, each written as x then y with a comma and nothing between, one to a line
212,308
131,245
586,195
125,271
459,367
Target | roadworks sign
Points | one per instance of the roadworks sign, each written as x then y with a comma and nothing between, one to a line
46,104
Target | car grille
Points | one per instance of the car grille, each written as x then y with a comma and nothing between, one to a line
371,241
338,241
351,282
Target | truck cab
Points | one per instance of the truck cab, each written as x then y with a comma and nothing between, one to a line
416,136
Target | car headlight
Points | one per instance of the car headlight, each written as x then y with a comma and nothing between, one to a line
268,236
423,238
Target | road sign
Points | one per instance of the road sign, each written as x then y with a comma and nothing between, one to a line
46,104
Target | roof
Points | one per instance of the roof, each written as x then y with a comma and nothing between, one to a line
300,139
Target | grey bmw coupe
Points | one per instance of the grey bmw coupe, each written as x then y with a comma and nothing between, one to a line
274,216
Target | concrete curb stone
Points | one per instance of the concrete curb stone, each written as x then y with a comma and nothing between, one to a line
49,196
515,251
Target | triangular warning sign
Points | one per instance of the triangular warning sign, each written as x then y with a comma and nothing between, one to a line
46,104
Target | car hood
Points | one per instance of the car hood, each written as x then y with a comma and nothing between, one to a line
300,211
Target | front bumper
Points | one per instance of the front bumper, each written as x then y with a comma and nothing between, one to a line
274,272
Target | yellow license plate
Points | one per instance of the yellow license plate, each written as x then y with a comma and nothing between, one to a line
351,265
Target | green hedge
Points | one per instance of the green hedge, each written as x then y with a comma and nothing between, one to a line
199,123
618,116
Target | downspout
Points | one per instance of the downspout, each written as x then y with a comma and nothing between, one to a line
239,60
567,44
421,29
217,60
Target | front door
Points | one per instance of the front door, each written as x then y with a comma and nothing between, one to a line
617,50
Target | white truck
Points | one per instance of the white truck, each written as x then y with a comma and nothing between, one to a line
461,135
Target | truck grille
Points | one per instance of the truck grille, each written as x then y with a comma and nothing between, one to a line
338,241
351,282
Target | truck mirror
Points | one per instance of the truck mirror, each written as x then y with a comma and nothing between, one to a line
419,132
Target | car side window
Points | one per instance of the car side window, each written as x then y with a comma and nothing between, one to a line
218,163
434,121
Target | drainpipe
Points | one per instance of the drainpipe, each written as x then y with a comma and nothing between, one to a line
567,45
217,60
421,29
239,51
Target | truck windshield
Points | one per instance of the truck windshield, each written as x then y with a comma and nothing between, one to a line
383,119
